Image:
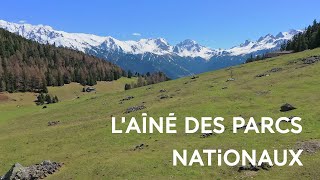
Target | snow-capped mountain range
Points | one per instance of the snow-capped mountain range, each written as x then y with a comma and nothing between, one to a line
185,58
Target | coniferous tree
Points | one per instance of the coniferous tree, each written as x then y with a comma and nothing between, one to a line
44,87
2,85
129,74
48,99
127,86
41,98
317,38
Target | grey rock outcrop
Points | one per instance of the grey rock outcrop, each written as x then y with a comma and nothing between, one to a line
37,171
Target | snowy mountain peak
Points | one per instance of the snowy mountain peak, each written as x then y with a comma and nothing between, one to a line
269,35
246,43
280,35
161,41
159,46
187,42
294,31
268,42
46,34
190,48
158,43
189,45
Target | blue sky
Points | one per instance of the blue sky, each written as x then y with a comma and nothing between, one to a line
214,23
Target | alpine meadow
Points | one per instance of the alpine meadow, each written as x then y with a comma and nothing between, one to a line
134,96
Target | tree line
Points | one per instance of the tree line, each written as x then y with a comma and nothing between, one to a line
26,65
256,58
147,79
308,39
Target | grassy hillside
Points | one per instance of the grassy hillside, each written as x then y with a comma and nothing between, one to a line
11,103
83,139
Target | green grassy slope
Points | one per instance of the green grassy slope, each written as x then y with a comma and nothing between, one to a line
83,139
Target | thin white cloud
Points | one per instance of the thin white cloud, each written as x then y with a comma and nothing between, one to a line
136,34
22,21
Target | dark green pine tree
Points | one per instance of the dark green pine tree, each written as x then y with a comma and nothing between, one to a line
2,85
44,87
317,38
48,99
127,86
304,43
40,99
129,74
